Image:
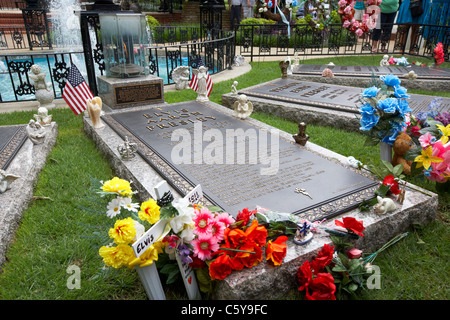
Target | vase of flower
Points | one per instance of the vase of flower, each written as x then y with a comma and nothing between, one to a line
385,151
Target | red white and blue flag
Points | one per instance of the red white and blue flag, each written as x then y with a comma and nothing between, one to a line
194,81
76,91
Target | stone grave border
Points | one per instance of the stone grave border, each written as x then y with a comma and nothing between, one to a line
27,163
265,281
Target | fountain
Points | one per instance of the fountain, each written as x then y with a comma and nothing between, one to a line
66,24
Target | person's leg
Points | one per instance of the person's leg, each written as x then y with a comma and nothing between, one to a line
375,37
387,22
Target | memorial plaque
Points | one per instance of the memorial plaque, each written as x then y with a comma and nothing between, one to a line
11,140
368,71
239,164
138,93
336,97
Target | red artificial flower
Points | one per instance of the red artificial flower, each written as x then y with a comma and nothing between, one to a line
351,224
234,237
276,250
304,276
415,131
439,54
322,287
323,258
249,259
392,184
197,263
244,216
221,267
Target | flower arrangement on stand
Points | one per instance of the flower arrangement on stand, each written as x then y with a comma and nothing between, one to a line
368,21
439,54
384,112
209,241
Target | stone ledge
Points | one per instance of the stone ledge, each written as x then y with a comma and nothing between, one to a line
27,163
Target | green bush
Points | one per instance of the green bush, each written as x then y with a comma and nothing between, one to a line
152,22
251,21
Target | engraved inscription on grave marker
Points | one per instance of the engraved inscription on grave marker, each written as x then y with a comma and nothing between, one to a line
236,185
138,93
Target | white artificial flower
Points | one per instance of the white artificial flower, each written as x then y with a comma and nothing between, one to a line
261,10
130,206
185,215
113,208
187,235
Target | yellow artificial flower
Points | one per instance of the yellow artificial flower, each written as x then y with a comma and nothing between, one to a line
445,132
426,158
147,258
116,257
124,231
149,211
119,186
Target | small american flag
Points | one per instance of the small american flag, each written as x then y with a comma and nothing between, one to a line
194,81
76,91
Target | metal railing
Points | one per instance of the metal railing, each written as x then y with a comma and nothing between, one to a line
275,40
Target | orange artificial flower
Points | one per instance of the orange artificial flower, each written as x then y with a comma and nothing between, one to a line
257,233
221,267
276,250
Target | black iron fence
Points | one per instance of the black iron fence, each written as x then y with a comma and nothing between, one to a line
277,40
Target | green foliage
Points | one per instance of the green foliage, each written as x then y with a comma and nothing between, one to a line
152,22
259,21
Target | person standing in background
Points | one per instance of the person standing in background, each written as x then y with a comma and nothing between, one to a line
249,8
387,16
411,20
235,12
360,9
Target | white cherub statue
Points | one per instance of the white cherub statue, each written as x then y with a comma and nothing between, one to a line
6,180
233,87
43,90
202,90
43,117
180,75
384,205
385,61
242,107
35,132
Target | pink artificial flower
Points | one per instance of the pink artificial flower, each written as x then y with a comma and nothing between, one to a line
346,24
172,240
426,140
217,229
202,221
204,246
365,18
359,32
225,218
348,10
342,3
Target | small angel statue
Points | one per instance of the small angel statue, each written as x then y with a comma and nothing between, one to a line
94,109
6,180
233,87
38,78
242,107
202,76
42,117
35,132
385,61
180,75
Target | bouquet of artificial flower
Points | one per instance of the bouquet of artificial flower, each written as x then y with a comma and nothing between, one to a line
439,54
384,112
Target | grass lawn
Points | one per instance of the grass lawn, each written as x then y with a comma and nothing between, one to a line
55,234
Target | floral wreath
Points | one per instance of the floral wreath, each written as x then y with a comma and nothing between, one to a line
368,21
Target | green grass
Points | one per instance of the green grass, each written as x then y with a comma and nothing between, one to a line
54,234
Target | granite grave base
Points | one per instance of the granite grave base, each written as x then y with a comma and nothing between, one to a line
119,93
316,103
266,281
431,79
27,163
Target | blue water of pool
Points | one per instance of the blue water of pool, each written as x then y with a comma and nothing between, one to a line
10,81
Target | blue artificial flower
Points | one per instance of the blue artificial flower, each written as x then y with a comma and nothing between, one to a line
403,107
368,121
388,105
390,80
367,109
400,92
391,139
370,92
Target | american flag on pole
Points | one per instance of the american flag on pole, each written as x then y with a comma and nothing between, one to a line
194,81
76,91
